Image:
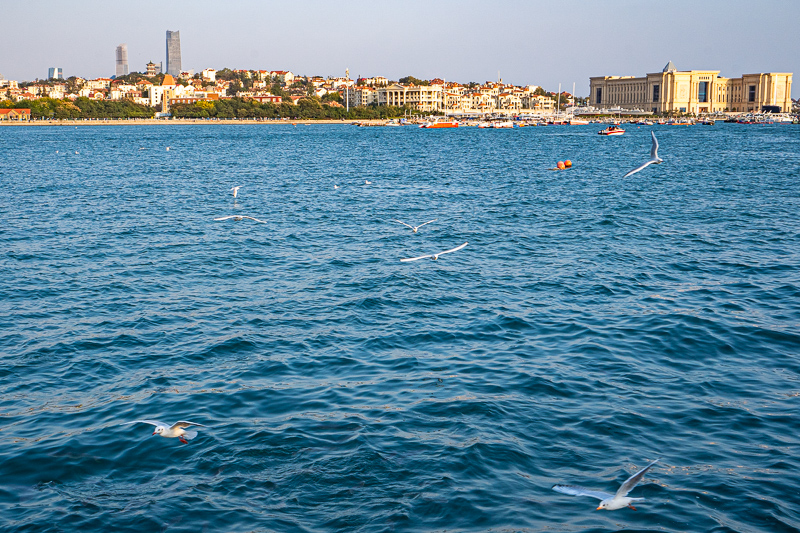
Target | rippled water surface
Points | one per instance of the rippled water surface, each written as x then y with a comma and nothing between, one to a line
592,324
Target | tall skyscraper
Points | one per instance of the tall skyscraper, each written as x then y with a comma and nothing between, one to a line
122,60
55,72
174,53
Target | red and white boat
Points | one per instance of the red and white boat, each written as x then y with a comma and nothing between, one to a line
612,130
440,124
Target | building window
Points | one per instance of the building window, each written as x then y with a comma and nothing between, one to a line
599,94
702,91
656,92
752,94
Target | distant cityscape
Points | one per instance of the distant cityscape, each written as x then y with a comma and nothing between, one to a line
667,92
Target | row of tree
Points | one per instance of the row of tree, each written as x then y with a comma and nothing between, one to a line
51,108
309,107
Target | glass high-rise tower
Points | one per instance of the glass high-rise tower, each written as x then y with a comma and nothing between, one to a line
122,60
174,53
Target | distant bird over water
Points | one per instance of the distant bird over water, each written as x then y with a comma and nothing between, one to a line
367,182
239,217
435,256
236,190
173,431
610,502
654,159
415,228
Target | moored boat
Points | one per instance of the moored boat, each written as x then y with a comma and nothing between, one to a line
440,124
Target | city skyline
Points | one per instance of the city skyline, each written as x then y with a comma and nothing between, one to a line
525,42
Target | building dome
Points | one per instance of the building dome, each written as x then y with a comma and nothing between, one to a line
670,67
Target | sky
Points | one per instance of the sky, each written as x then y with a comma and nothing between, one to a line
524,42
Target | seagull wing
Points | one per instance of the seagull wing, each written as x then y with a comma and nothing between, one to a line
633,480
457,248
428,222
403,223
417,258
251,218
184,424
637,169
151,422
226,218
575,490
654,149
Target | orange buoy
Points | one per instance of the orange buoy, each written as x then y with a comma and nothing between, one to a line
561,165
568,163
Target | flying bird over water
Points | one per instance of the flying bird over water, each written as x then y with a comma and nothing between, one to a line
415,228
435,256
654,159
236,190
170,432
239,217
610,502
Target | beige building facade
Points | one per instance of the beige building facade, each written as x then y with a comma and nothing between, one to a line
693,91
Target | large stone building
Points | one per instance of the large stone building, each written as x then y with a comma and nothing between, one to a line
693,91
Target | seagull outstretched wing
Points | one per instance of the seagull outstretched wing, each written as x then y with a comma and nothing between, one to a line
184,424
575,490
637,169
416,258
151,422
654,148
631,482
403,223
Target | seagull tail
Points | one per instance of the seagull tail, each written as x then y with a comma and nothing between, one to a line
189,435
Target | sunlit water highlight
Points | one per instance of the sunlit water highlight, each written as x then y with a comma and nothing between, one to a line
592,324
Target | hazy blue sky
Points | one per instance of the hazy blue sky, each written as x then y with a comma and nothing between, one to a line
527,41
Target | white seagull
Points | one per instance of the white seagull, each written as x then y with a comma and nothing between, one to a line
610,502
236,190
239,217
170,432
435,256
367,182
653,157
415,228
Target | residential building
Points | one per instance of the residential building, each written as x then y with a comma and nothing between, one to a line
284,76
174,53
209,74
55,73
122,60
15,114
693,91
424,98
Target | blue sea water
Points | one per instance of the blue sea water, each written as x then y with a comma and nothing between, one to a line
592,324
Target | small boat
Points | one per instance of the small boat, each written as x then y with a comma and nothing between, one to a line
440,124
578,122
612,130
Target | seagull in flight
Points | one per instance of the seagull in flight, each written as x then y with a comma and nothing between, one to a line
415,228
653,157
170,432
610,502
239,217
367,182
236,190
435,256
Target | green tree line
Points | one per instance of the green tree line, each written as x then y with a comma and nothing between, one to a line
309,107
51,108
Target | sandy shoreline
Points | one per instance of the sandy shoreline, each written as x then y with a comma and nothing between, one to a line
169,122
